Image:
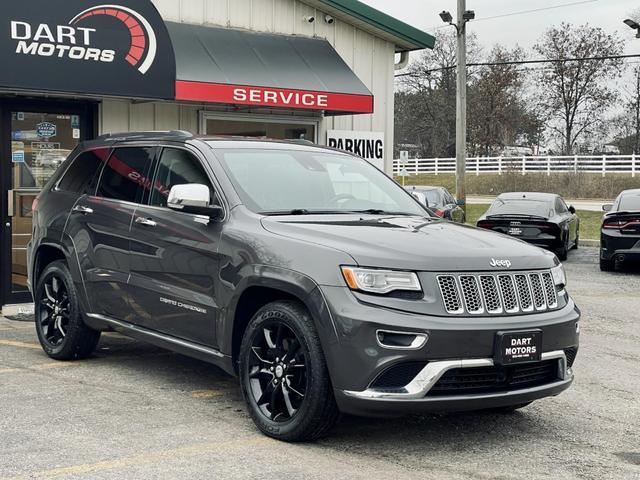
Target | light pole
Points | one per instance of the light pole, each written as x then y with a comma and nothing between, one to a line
461,96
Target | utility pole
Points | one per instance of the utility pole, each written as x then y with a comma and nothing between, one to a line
463,16
636,107
461,107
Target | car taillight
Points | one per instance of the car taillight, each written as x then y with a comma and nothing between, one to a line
485,225
438,212
619,224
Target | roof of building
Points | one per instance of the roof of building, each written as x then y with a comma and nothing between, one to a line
405,37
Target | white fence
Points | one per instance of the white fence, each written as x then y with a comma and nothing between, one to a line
598,164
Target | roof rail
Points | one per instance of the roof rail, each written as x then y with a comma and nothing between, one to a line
149,135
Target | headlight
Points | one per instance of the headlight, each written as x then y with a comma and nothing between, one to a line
380,281
559,275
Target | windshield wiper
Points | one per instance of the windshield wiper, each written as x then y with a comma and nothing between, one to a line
304,211
378,211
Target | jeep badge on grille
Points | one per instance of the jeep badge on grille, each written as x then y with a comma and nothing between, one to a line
500,263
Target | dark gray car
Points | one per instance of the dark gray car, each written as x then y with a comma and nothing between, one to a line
439,201
305,271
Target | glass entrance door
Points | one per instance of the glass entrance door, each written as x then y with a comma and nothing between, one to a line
38,143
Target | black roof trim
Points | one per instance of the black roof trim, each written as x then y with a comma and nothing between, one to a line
150,135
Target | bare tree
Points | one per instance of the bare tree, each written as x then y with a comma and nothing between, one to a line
425,103
576,93
499,113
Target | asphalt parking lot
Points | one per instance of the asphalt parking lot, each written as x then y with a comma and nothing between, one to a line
138,412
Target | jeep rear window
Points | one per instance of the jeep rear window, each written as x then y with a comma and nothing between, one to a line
123,178
280,181
82,175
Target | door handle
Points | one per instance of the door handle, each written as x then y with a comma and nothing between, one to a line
82,209
145,221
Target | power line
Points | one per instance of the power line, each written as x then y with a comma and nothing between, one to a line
534,10
527,62
523,12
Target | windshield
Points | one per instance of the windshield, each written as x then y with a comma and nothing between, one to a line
521,207
629,203
283,181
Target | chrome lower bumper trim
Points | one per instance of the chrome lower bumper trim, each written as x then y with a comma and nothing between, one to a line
433,371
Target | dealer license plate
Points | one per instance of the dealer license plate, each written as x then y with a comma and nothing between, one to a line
518,347
515,231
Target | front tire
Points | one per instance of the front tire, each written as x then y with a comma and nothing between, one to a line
284,376
59,325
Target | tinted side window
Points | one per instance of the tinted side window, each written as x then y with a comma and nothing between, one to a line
82,175
123,177
177,167
561,207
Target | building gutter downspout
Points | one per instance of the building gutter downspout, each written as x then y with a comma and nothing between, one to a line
403,62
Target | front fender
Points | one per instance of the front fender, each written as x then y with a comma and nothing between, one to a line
288,281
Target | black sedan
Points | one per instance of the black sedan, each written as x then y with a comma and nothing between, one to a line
620,232
439,201
543,219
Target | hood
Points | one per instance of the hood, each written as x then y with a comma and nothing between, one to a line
411,243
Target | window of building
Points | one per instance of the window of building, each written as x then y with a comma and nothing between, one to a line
123,178
260,129
177,167
82,175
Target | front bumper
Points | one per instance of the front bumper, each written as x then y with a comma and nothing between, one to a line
415,397
357,360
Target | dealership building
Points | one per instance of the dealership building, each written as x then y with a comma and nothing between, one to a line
320,70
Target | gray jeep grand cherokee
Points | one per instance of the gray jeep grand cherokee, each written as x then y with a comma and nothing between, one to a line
305,271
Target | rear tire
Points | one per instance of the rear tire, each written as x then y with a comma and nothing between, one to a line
59,324
284,376
607,265
577,242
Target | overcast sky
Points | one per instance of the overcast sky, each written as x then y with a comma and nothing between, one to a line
522,29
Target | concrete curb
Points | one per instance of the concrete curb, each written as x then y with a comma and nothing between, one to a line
589,243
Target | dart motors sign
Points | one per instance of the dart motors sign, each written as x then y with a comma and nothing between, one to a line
87,47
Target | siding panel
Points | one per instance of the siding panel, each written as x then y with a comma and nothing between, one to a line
262,15
142,117
114,116
167,116
169,9
192,11
240,13
217,12
283,16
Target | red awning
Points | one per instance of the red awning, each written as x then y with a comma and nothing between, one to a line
219,65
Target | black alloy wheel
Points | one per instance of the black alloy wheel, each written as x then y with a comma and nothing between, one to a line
283,374
54,311
61,330
277,371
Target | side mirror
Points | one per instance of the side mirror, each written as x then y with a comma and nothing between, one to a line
193,198
572,209
607,207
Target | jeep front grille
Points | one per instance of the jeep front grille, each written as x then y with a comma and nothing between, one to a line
496,294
